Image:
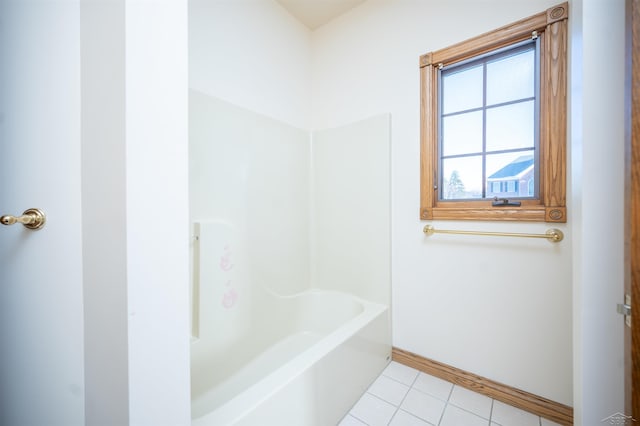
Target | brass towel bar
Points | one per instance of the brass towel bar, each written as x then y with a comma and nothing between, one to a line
553,235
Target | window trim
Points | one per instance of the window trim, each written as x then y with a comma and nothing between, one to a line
551,27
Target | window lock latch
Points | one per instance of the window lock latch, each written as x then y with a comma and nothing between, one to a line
502,202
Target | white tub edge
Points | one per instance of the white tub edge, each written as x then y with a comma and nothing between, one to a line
237,407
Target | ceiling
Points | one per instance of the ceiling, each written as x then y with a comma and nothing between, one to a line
314,13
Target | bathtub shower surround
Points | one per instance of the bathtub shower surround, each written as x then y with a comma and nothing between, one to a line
290,266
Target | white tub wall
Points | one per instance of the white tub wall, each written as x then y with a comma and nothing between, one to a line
324,393
501,309
350,211
251,172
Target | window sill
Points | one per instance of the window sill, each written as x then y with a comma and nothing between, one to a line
484,211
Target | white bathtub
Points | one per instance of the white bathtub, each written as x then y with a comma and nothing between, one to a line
302,360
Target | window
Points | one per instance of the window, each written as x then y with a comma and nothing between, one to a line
486,122
493,124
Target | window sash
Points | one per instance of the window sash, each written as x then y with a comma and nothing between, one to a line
483,60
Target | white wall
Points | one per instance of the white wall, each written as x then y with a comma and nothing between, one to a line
157,211
135,205
498,308
597,166
253,54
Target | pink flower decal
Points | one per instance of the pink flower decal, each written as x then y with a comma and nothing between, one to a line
229,299
225,260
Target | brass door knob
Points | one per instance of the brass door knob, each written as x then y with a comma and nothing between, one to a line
31,218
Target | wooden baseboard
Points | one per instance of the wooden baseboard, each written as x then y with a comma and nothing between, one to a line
540,406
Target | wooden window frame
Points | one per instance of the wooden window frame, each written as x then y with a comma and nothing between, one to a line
551,27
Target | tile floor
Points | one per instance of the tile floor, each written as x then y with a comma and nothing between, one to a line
403,396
